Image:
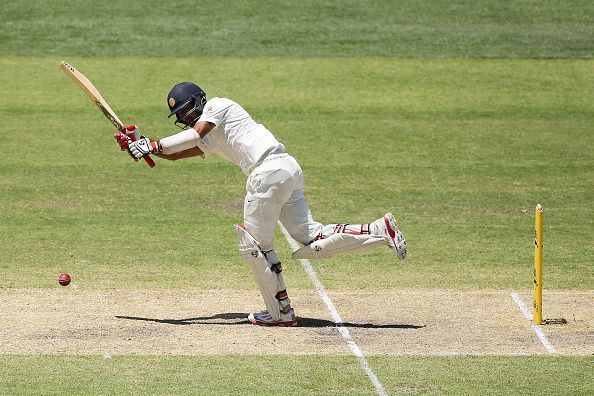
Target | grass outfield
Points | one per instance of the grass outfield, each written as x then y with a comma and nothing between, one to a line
349,28
461,150
53,375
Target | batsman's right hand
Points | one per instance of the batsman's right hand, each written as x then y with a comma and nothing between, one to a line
128,131
127,135
133,131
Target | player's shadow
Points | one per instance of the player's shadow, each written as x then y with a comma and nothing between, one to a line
240,318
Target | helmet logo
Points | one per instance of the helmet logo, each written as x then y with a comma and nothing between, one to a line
171,102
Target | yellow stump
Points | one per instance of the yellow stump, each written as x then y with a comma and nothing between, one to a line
537,311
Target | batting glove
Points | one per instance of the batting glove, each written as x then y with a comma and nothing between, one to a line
142,147
121,140
131,131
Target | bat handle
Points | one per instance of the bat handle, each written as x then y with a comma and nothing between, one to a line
149,161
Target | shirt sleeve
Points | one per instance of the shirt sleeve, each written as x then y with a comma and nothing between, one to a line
214,111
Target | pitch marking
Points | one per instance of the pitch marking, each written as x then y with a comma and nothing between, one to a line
541,335
344,332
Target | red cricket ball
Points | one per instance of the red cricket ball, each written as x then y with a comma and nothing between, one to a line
64,279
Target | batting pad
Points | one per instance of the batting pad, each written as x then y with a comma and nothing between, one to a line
337,244
270,283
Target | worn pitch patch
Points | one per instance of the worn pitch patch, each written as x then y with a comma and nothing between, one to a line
76,321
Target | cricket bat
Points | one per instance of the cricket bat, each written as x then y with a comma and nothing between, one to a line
93,93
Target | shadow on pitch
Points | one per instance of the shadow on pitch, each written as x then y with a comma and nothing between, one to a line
240,318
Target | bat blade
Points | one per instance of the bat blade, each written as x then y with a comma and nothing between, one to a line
93,93
110,116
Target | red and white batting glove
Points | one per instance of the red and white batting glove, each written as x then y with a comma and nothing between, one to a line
142,147
130,139
122,141
131,131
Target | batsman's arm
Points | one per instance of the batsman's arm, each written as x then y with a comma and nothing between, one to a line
202,128
181,145
191,152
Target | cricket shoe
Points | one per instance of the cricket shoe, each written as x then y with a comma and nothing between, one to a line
263,318
387,228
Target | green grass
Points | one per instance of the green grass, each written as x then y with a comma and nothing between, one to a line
461,150
349,28
486,375
301,375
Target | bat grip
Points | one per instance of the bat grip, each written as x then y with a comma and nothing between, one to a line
149,161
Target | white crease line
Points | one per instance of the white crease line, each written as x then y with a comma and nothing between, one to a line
541,335
518,300
344,332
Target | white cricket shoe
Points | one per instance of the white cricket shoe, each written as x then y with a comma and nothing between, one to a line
386,227
263,318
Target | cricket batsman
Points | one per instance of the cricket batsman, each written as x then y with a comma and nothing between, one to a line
274,192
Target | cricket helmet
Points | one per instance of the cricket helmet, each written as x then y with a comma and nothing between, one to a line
186,100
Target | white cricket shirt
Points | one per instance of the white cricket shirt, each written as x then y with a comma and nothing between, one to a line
236,136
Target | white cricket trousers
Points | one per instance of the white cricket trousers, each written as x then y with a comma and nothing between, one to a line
275,193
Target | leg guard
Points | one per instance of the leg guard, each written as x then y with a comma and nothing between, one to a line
266,268
338,243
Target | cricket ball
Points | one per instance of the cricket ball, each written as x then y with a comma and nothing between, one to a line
64,279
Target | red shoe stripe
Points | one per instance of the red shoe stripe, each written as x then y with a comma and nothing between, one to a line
390,230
